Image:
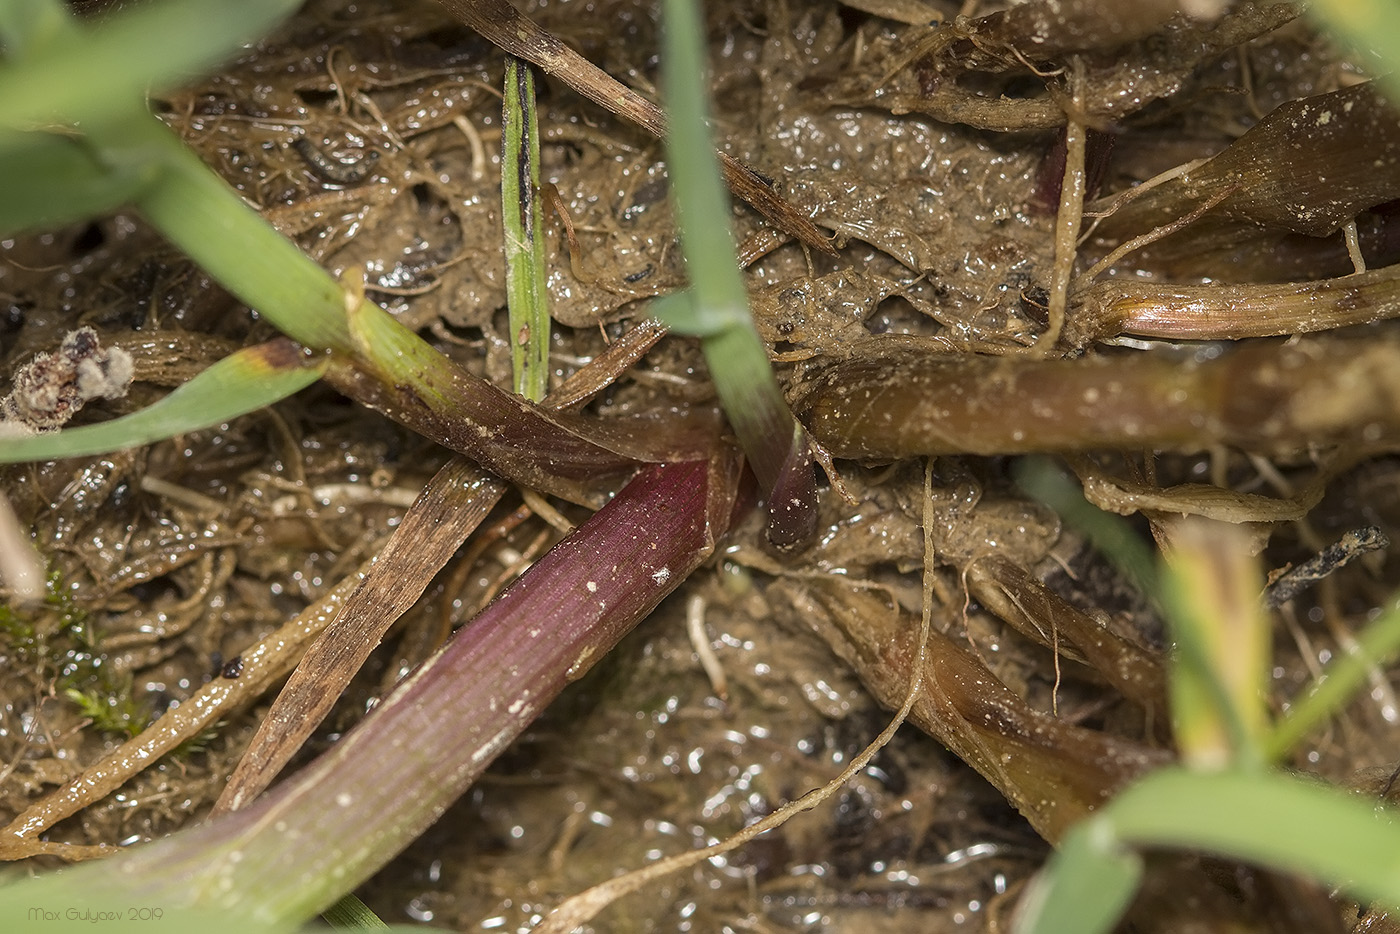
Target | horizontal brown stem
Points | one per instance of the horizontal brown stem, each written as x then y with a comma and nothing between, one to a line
1230,312
1264,397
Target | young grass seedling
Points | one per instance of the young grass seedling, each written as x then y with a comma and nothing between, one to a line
1225,800
526,297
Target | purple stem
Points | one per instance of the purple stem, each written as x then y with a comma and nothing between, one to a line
292,853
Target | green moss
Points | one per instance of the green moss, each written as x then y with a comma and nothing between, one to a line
61,643
111,710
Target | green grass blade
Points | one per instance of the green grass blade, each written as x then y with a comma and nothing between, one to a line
1339,682
1110,535
1085,886
89,72
1219,679
98,77
702,202
27,27
197,211
527,298
242,382
680,312
64,181
774,443
351,914
1269,819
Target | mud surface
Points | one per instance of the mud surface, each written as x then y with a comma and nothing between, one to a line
369,133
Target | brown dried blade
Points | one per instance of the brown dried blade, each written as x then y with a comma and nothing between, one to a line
1035,611
519,35
1053,772
453,503
1310,166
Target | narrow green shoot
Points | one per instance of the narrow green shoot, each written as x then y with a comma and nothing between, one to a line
1222,633
716,309
1377,645
381,364
527,298
1086,886
1212,597
97,78
64,181
1110,535
199,213
1223,801
27,26
351,914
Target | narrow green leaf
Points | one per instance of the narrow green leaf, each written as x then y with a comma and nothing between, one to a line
774,443
683,314
88,72
701,200
1110,535
1338,683
98,77
202,215
527,297
240,383
1223,636
1285,822
64,181
1085,887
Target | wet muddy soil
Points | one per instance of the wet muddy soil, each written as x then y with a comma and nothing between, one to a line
369,132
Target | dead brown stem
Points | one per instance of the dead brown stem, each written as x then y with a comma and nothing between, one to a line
1309,167
1230,312
1261,397
1053,773
1006,589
